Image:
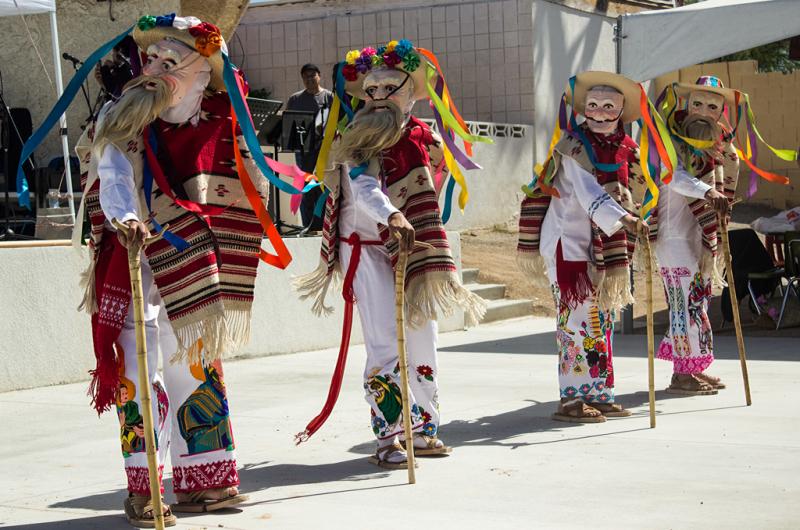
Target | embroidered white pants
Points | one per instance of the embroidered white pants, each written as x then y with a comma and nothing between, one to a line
190,410
375,299
688,342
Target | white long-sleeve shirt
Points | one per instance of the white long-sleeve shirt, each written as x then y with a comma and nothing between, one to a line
675,220
117,187
569,217
363,206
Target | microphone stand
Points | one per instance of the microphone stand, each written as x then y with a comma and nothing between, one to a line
84,89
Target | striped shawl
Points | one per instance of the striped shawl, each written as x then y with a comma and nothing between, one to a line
208,288
432,281
611,255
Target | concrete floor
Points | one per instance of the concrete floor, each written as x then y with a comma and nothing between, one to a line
711,462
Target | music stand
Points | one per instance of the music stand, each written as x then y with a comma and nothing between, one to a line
6,124
267,124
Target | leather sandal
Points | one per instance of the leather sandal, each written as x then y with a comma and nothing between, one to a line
139,511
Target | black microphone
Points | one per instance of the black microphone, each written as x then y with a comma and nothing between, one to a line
74,60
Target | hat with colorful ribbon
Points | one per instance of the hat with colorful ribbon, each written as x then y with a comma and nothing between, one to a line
429,82
737,107
706,83
576,95
655,148
203,37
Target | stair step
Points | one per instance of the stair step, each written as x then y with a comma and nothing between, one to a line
488,291
469,275
505,309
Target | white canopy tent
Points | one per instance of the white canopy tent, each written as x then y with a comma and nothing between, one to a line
10,8
652,43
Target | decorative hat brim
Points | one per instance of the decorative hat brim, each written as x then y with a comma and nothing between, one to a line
682,90
631,90
145,38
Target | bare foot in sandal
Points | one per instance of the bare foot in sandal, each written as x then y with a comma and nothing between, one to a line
425,445
139,511
612,410
390,456
689,385
715,382
208,500
576,411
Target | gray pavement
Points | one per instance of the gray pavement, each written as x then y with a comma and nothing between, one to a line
710,463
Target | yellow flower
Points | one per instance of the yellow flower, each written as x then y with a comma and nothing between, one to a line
588,343
391,46
351,56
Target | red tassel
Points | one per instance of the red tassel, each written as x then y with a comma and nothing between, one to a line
105,381
573,280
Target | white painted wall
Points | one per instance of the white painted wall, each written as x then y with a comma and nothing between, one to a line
566,41
494,191
46,341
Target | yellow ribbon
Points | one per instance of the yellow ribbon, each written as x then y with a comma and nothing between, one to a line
327,141
444,110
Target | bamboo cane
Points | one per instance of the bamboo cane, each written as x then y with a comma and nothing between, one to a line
651,378
399,297
737,320
135,268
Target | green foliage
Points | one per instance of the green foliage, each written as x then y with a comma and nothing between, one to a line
260,93
773,57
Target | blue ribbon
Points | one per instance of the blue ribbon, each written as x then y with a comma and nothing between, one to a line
605,168
179,243
23,196
341,93
358,170
229,77
448,200
321,203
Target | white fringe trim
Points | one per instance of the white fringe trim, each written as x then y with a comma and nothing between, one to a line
533,266
221,334
87,284
442,290
614,291
711,267
315,285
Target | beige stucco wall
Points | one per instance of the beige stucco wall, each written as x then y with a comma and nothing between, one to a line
776,104
83,25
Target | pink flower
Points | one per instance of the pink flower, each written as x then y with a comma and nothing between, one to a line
594,371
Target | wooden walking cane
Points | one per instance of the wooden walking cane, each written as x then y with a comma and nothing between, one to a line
651,377
399,304
135,268
737,319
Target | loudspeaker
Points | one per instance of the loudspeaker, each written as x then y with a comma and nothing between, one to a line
16,134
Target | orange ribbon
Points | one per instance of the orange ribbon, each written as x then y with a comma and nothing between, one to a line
282,257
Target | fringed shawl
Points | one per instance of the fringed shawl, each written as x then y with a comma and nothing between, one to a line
432,282
610,255
208,288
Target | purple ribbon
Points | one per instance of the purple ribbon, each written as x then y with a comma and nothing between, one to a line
462,159
562,113
754,146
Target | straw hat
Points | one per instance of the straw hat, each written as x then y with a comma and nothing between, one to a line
631,90
706,83
396,55
203,37
225,14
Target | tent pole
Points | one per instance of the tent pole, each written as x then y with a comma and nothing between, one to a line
63,119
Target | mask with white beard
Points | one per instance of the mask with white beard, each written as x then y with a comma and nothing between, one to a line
379,125
171,88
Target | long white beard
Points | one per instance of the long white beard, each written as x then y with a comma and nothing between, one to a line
370,132
137,108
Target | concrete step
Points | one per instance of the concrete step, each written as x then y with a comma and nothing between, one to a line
469,275
488,291
505,309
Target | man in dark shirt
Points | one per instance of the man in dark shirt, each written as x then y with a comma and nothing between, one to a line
313,98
